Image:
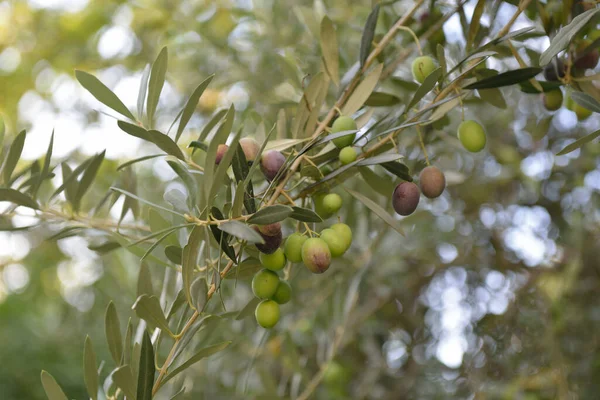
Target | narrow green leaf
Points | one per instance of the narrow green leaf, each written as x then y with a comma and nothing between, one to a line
586,101
378,210
271,214
203,353
245,270
475,20
305,215
69,184
12,158
378,183
137,160
89,174
380,159
283,144
190,106
527,87
127,359
211,124
506,78
222,237
112,329
209,166
123,378
441,57
189,259
578,143
161,140
126,193
142,91
381,99
102,93
248,309
199,292
428,84
241,231
144,282
148,308
398,169
188,180
18,198
368,34
564,36
329,49
174,254
52,388
221,171
155,86
146,370
363,91
90,369
178,394
46,167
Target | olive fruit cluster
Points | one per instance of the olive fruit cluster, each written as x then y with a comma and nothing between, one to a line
316,252
341,124
405,198
273,291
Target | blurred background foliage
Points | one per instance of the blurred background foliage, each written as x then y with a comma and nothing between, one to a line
490,295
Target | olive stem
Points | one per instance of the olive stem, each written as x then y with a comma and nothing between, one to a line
415,38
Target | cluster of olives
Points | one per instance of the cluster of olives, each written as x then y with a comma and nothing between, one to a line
271,161
315,252
553,100
344,143
405,198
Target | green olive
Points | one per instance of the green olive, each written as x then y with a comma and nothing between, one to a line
341,124
274,261
472,136
264,284
283,293
332,203
347,155
336,243
293,247
267,313
422,67
553,99
345,233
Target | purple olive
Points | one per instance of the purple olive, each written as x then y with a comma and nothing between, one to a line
406,198
271,243
221,150
270,164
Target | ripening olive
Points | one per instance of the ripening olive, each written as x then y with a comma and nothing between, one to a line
267,313
283,293
271,243
422,67
347,155
270,229
250,148
343,123
432,182
344,232
332,203
553,99
554,70
221,150
336,244
587,60
270,164
405,198
472,136
293,247
264,284
274,261
316,255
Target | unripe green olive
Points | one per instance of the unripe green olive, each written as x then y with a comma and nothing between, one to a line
264,284
221,150
347,155
344,232
332,203
553,99
316,255
274,261
267,313
319,206
472,136
422,67
581,112
293,247
432,182
271,162
283,293
405,198
271,243
250,148
336,244
343,123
